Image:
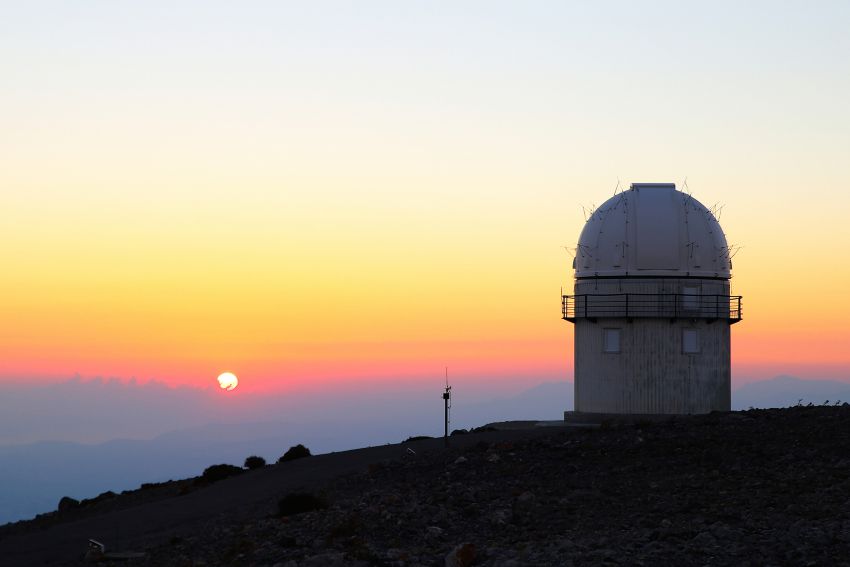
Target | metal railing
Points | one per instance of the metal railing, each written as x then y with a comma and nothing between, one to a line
656,305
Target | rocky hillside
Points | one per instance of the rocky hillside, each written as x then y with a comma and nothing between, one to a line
762,487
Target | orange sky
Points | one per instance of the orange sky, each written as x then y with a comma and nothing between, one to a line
367,197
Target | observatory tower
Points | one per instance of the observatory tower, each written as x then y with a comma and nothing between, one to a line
651,307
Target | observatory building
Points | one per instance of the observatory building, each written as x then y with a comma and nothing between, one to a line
652,307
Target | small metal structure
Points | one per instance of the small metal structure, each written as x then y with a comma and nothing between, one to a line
96,553
652,307
447,403
96,547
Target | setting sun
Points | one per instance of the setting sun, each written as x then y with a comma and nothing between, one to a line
228,381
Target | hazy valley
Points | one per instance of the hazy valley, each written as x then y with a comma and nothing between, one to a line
34,476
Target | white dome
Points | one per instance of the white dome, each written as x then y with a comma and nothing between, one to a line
652,230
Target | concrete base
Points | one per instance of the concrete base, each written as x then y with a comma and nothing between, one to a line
587,418
515,425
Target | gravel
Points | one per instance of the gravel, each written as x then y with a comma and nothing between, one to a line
761,487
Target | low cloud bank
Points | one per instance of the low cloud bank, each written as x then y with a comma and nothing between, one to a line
92,411
786,391
98,410
154,433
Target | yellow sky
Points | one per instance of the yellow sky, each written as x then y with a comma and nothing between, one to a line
310,193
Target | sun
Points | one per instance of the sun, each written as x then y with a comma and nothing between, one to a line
228,381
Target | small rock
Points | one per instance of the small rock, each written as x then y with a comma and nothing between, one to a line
525,502
703,539
460,460
325,560
493,458
463,555
500,517
434,531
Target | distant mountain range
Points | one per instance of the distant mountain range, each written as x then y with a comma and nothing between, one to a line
33,477
786,391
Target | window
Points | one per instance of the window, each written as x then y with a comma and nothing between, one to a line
611,340
690,341
690,298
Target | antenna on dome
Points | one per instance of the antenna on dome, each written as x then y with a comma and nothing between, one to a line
687,192
717,211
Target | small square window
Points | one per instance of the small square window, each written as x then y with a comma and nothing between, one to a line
611,340
690,341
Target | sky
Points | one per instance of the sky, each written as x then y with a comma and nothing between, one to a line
331,196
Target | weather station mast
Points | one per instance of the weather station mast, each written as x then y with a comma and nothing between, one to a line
447,404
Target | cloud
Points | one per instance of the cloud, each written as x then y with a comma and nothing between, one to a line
97,410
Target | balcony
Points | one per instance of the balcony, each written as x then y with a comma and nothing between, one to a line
651,305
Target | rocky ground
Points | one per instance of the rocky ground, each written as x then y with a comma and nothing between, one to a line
763,487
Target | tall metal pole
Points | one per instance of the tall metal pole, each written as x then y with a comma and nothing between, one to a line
447,395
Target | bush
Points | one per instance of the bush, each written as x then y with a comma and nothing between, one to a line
417,438
67,503
298,503
97,499
254,462
297,452
219,472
